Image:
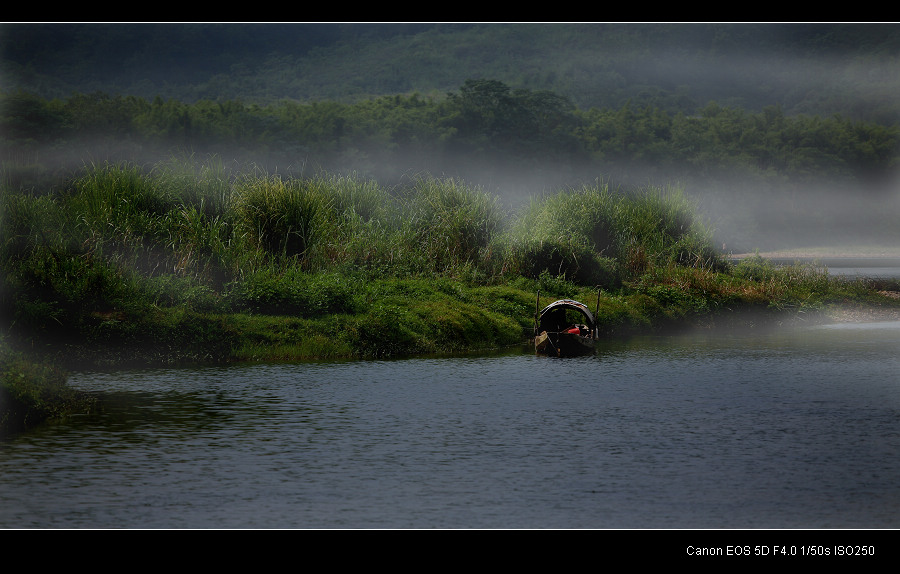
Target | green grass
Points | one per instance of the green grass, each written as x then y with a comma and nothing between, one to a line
121,239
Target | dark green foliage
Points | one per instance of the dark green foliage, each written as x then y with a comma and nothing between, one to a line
579,263
32,392
377,271
491,118
280,218
49,295
148,337
486,123
679,67
384,331
293,292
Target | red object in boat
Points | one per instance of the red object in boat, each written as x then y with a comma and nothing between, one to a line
574,331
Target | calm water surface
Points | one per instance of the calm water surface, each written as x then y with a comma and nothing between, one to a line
793,428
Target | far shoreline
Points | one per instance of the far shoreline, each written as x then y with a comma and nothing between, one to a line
871,254
848,252
865,314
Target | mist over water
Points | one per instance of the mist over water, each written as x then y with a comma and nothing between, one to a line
745,214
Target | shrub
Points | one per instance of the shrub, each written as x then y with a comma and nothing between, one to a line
449,224
638,230
32,392
577,262
293,292
282,219
120,201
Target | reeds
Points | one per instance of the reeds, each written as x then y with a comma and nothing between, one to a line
447,225
595,234
277,218
204,236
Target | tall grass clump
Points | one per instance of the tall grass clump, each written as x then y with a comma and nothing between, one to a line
597,235
354,199
205,187
155,222
200,224
356,225
447,226
121,203
48,278
28,223
278,220
570,234
662,225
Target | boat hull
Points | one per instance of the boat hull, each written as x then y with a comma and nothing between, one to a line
563,344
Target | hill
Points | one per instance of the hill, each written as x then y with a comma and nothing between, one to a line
819,69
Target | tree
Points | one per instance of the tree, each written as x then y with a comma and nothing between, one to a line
26,118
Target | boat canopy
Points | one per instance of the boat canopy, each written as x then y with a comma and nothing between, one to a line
563,304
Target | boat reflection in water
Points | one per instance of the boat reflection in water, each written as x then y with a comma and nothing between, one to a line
565,328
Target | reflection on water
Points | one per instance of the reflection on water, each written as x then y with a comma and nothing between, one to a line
762,429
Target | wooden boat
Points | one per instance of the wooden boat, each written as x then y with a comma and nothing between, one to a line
564,328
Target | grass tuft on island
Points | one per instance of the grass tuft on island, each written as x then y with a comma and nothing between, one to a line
192,262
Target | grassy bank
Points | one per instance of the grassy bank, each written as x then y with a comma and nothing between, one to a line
32,392
190,262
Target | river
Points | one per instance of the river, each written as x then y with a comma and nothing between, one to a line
787,427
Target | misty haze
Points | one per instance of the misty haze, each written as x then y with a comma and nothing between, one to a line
425,275
785,134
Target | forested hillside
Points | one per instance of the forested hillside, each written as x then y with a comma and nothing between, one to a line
782,132
805,68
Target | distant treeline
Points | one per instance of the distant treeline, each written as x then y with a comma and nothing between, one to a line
483,125
808,68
